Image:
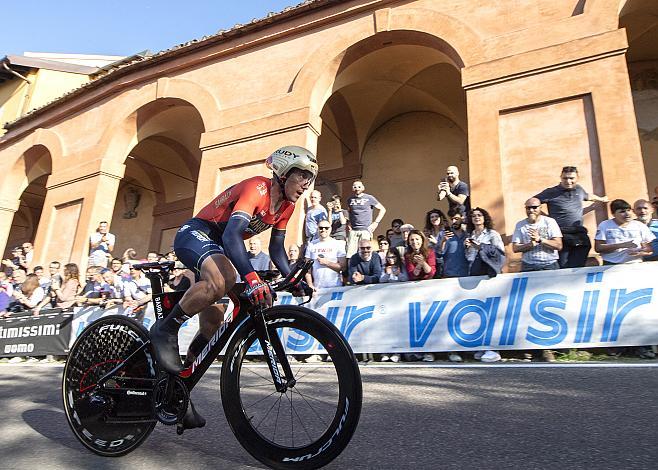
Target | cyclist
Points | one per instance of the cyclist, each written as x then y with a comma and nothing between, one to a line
212,243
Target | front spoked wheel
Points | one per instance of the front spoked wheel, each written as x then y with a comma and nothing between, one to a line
309,424
108,384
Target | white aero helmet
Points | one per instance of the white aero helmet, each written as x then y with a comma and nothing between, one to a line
286,158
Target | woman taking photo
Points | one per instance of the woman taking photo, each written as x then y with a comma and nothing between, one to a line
420,261
393,270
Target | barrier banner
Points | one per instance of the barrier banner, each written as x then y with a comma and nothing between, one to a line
27,335
570,308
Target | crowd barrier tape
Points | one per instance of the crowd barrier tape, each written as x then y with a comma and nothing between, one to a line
606,306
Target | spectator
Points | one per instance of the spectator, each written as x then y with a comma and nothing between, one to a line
18,278
179,282
643,211
28,253
565,205
383,245
6,292
420,264
397,238
420,261
93,287
171,256
31,294
136,294
293,254
364,268
314,214
152,257
455,190
66,292
338,218
360,207
393,270
435,224
539,238
622,240
44,281
112,289
329,259
405,229
453,250
15,261
389,233
101,244
485,251
258,259
54,274
117,268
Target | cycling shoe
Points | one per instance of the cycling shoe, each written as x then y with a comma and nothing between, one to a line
165,348
191,420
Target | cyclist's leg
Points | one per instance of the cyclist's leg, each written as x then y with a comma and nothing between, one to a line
217,276
209,321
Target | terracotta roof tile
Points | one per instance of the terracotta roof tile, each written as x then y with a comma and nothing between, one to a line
126,65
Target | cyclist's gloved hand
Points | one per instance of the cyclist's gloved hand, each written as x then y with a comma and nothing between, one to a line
302,289
259,292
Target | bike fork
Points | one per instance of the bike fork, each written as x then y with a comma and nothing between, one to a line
274,352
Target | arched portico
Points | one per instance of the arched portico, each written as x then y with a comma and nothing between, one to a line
395,117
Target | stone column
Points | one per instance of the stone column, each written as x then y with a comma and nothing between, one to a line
8,208
72,210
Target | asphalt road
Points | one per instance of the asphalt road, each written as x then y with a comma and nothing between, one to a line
485,417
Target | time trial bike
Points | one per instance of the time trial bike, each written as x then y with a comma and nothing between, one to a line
285,414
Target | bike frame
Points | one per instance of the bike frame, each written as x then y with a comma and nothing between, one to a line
272,347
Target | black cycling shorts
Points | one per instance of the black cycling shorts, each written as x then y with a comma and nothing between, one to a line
194,242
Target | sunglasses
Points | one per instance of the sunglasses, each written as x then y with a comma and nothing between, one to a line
365,248
532,207
324,228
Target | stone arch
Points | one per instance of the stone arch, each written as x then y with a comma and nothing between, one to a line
118,139
462,44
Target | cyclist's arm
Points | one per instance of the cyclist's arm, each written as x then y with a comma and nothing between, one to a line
233,243
278,251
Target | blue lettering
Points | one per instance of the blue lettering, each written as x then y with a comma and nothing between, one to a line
620,305
539,309
353,316
486,312
420,328
513,312
587,315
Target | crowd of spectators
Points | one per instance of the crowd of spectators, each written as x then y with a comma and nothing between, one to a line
347,250
109,281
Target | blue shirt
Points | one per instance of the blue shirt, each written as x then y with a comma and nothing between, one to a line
454,256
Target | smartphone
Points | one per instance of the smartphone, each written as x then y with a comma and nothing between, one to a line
320,255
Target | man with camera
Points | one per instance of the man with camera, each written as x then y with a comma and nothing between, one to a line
455,190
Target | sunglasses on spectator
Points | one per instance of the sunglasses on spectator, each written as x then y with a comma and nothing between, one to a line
391,257
321,227
365,248
532,207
